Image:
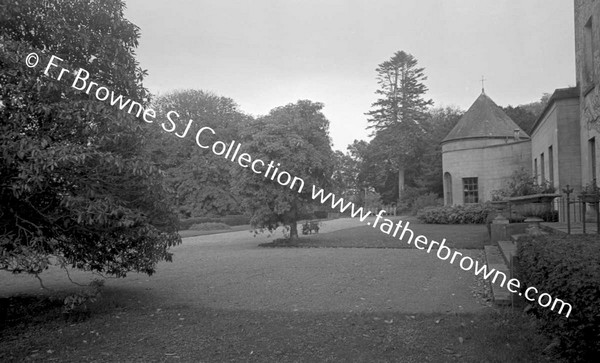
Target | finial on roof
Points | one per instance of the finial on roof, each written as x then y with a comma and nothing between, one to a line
482,84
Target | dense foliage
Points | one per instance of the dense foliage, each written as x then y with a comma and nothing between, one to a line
525,115
397,118
456,214
75,182
522,183
424,161
230,220
297,137
568,268
201,180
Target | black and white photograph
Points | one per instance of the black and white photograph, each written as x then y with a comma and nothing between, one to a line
300,181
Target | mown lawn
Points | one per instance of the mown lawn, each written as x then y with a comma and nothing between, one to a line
185,334
192,233
469,236
120,328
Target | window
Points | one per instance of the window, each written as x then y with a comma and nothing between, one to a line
542,169
588,53
535,169
551,165
592,151
471,190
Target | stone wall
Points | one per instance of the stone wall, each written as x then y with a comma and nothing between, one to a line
559,129
587,48
492,165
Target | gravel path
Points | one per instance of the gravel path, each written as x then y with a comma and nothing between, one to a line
229,271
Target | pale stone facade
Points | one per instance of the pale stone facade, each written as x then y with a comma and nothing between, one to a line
481,152
555,142
565,140
587,55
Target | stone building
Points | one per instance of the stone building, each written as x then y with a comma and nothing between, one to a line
555,143
484,148
587,56
479,154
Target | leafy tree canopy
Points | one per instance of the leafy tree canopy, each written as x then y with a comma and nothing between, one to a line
202,182
297,137
422,163
525,115
75,182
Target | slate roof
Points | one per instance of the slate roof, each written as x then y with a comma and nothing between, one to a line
484,119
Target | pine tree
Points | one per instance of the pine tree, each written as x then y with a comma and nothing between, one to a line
401,93
396,117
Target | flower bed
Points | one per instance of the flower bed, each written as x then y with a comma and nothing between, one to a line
456,214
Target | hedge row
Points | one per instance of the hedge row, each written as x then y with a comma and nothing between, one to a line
456,214
210,226
568,268
230,220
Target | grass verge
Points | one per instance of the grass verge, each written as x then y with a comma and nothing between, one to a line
457,236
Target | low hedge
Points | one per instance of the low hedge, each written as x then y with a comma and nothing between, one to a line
210,226
320,214
230,220
455,214
235,220
568,268
424,201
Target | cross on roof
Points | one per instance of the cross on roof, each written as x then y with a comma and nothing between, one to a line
482,84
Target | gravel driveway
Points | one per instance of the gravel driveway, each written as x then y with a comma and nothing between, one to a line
229,271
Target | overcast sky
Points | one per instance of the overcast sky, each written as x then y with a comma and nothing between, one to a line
268,53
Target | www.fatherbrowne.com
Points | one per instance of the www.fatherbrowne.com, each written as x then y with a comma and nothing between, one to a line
403,233
230,151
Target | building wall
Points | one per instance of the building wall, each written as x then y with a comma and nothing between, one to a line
473,143
569,145
492,165
559,129
587,56
544,136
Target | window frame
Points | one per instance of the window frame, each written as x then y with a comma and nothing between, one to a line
470,190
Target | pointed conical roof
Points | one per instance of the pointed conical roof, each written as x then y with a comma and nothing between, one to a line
484,119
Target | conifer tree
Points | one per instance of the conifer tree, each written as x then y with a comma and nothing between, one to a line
396,117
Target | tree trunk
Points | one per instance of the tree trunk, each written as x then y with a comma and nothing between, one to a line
294,230
294,222
400,183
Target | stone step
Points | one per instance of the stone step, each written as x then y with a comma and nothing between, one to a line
495,261
508,250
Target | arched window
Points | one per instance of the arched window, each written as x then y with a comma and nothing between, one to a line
448,188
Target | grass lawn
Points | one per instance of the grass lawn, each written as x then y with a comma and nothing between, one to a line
192,233
185,334
464,236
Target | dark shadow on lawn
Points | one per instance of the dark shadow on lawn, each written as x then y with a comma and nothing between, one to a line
199,334
464,236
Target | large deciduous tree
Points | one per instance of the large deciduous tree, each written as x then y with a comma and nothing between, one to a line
297,137
201,181
75,182
396,117
347,172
